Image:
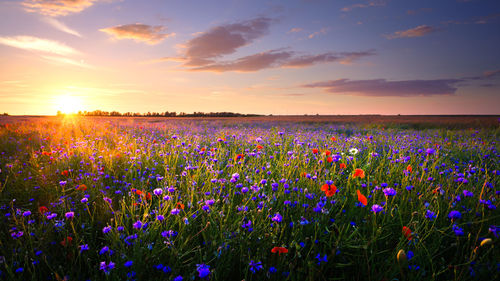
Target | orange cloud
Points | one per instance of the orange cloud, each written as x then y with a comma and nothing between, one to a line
138,32
418,31
56,7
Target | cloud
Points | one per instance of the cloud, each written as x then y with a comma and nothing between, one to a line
383,87
360,5
491,73
204,51
344,58
273,58
280,58
55,8
65,60
295,30
418,31
61,26
31,43
224,39
324,30
138,32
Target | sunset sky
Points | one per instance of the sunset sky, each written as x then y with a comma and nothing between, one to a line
265,57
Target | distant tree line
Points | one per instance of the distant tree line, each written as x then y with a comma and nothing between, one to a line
161,114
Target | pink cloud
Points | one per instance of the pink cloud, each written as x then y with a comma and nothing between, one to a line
418,31
363,5
138,32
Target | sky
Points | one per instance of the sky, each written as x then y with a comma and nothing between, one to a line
264,57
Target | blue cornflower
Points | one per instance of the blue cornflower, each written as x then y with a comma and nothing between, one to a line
389,191
106,229
160,217
158,191
84,247
430,215
273,269
454,215
27,213
377,208
178,278
321,259
458,231
468,193
255,266
128,263
277,217
137,225
203,270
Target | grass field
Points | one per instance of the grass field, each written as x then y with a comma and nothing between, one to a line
264,198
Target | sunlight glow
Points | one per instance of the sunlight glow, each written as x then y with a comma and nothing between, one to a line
69,104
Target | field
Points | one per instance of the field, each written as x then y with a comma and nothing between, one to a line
261,198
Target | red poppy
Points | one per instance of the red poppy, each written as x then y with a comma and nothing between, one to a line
239,156
362,198
342,166
334,139
358,173
43,209
67,241
315,151
409,169
259,147
407,232
65,173
179,206
329,159
329,190
82,187
148,196
138,192
328,152
203,149
279,250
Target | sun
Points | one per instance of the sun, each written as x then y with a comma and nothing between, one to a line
69,104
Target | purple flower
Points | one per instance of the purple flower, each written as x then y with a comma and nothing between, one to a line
175,211
27,213
84,247
203,270
454,215
277,217
389,191
255,266
430,215
70,215
377,208
468,193
158,191
160,217
430,151
106,229
458,231
137,225
494,229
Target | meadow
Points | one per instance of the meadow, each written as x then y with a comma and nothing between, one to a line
187,199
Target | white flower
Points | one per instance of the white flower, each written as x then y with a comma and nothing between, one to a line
353,151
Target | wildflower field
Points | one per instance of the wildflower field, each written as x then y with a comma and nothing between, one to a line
92,199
